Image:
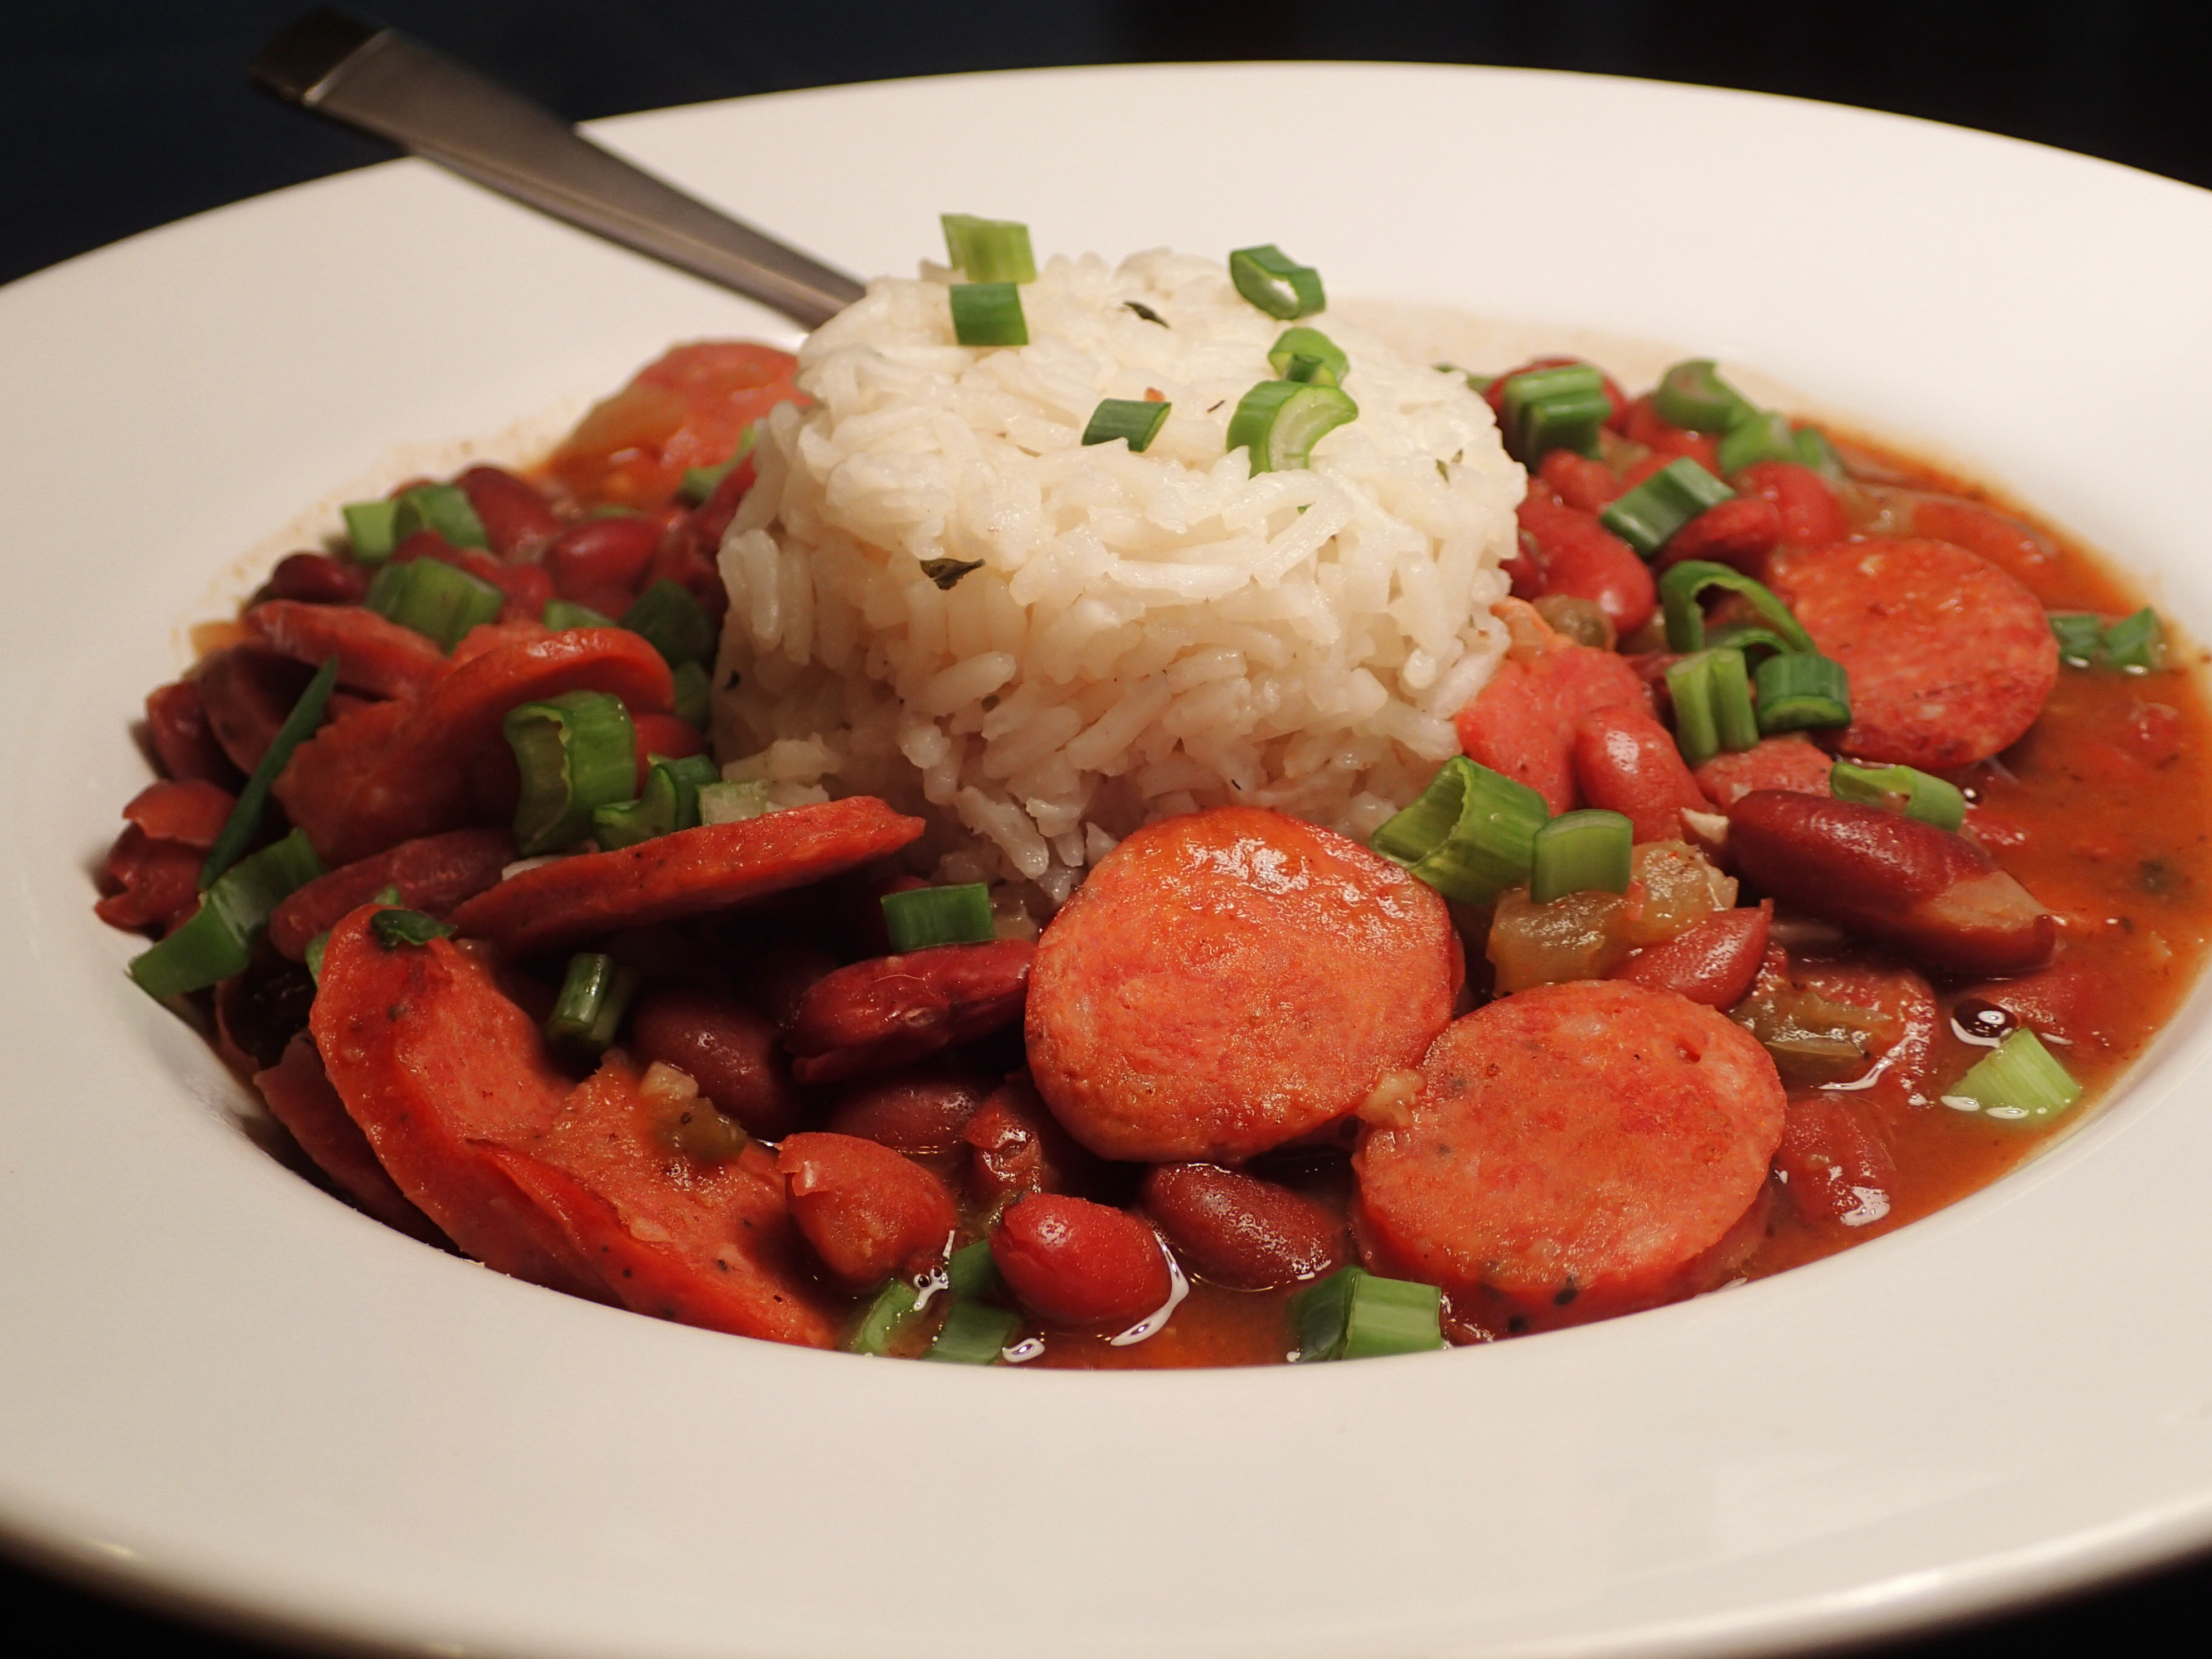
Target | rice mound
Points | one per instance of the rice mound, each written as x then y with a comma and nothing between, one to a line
1140,635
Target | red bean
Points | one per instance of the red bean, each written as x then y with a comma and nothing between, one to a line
1643,425
1240,1230
1740,532
1582,558
317,579
176,726
1084,1265
1586,485
868,1212
666,736
919,1110
600,554
515,516
880,1013
1016,1146
776,977
729,1051
1833,1164
1625,762
1811,514
1713,961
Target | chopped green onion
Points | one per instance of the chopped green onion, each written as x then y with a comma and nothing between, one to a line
880,1326
1747,638
245,820
1279,422
437,600
1710,691
988,250
2135,641
2080,636
1356,1315
732,802
701,482
1813,449
1692,396
1901,788
693,703
1647,517
371,526
1470,835
1797,689
924,916
577,752
989,315
675,623
312,956
1761,436
2019,1078
1307,354
595,994
974,1334
1681,586
1561,408
1128,418
444,508
561,615
1275,283
397,928
668,803
217,941
1582,852
971,1271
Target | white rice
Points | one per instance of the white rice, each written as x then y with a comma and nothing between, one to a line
1145,634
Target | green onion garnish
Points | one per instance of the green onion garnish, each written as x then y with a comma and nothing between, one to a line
974,1334
1900,788
924,916
1647,517
437,600
1761,436
1813,449
1692,396
988,250
577,752
1307,354
971,1271
2019,1078
878,1328
1356,1315
669,802
989,315
1276,282
676,624
693,703
595,993
1580,852
1470,835
1128,418
731,803
445,508
1548,408
1279,422
371,526
2080,636
561,615
1798,690
217,941
2136,642
397,929
313,955
1681,586
245,820
1711,690
701,482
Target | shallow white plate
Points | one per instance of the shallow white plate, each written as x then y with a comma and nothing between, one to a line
219,1387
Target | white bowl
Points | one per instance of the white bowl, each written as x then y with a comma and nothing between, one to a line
220,1387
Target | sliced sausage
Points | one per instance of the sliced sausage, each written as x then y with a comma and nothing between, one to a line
143,881
300,1098
1937,897
1240,1230
1087,1267
247,690
1228,981
1522,723
177,727
873,1015
1574,1152
1625,762
689,874
1791,761
433,873
868,1212
1950,657
375,654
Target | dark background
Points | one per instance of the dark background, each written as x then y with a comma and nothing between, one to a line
117,117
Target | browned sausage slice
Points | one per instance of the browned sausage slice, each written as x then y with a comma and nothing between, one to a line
1950,657
1230,980
689,873
1574,1151
433,873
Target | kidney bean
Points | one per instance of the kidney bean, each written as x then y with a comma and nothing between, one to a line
1016,1145
1811,514
880,1013
516,518
1933,896
728,1048
1240,1230
918,1109
1713,961
1085,1266
317,579
246,691
775,977
1833,1164
1643,425
177,727
868,1212
528,588
2060,1003
1581,557
260,1010
599,554
1740,532
1586,485
691,565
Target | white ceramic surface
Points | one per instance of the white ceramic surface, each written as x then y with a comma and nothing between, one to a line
219,1387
